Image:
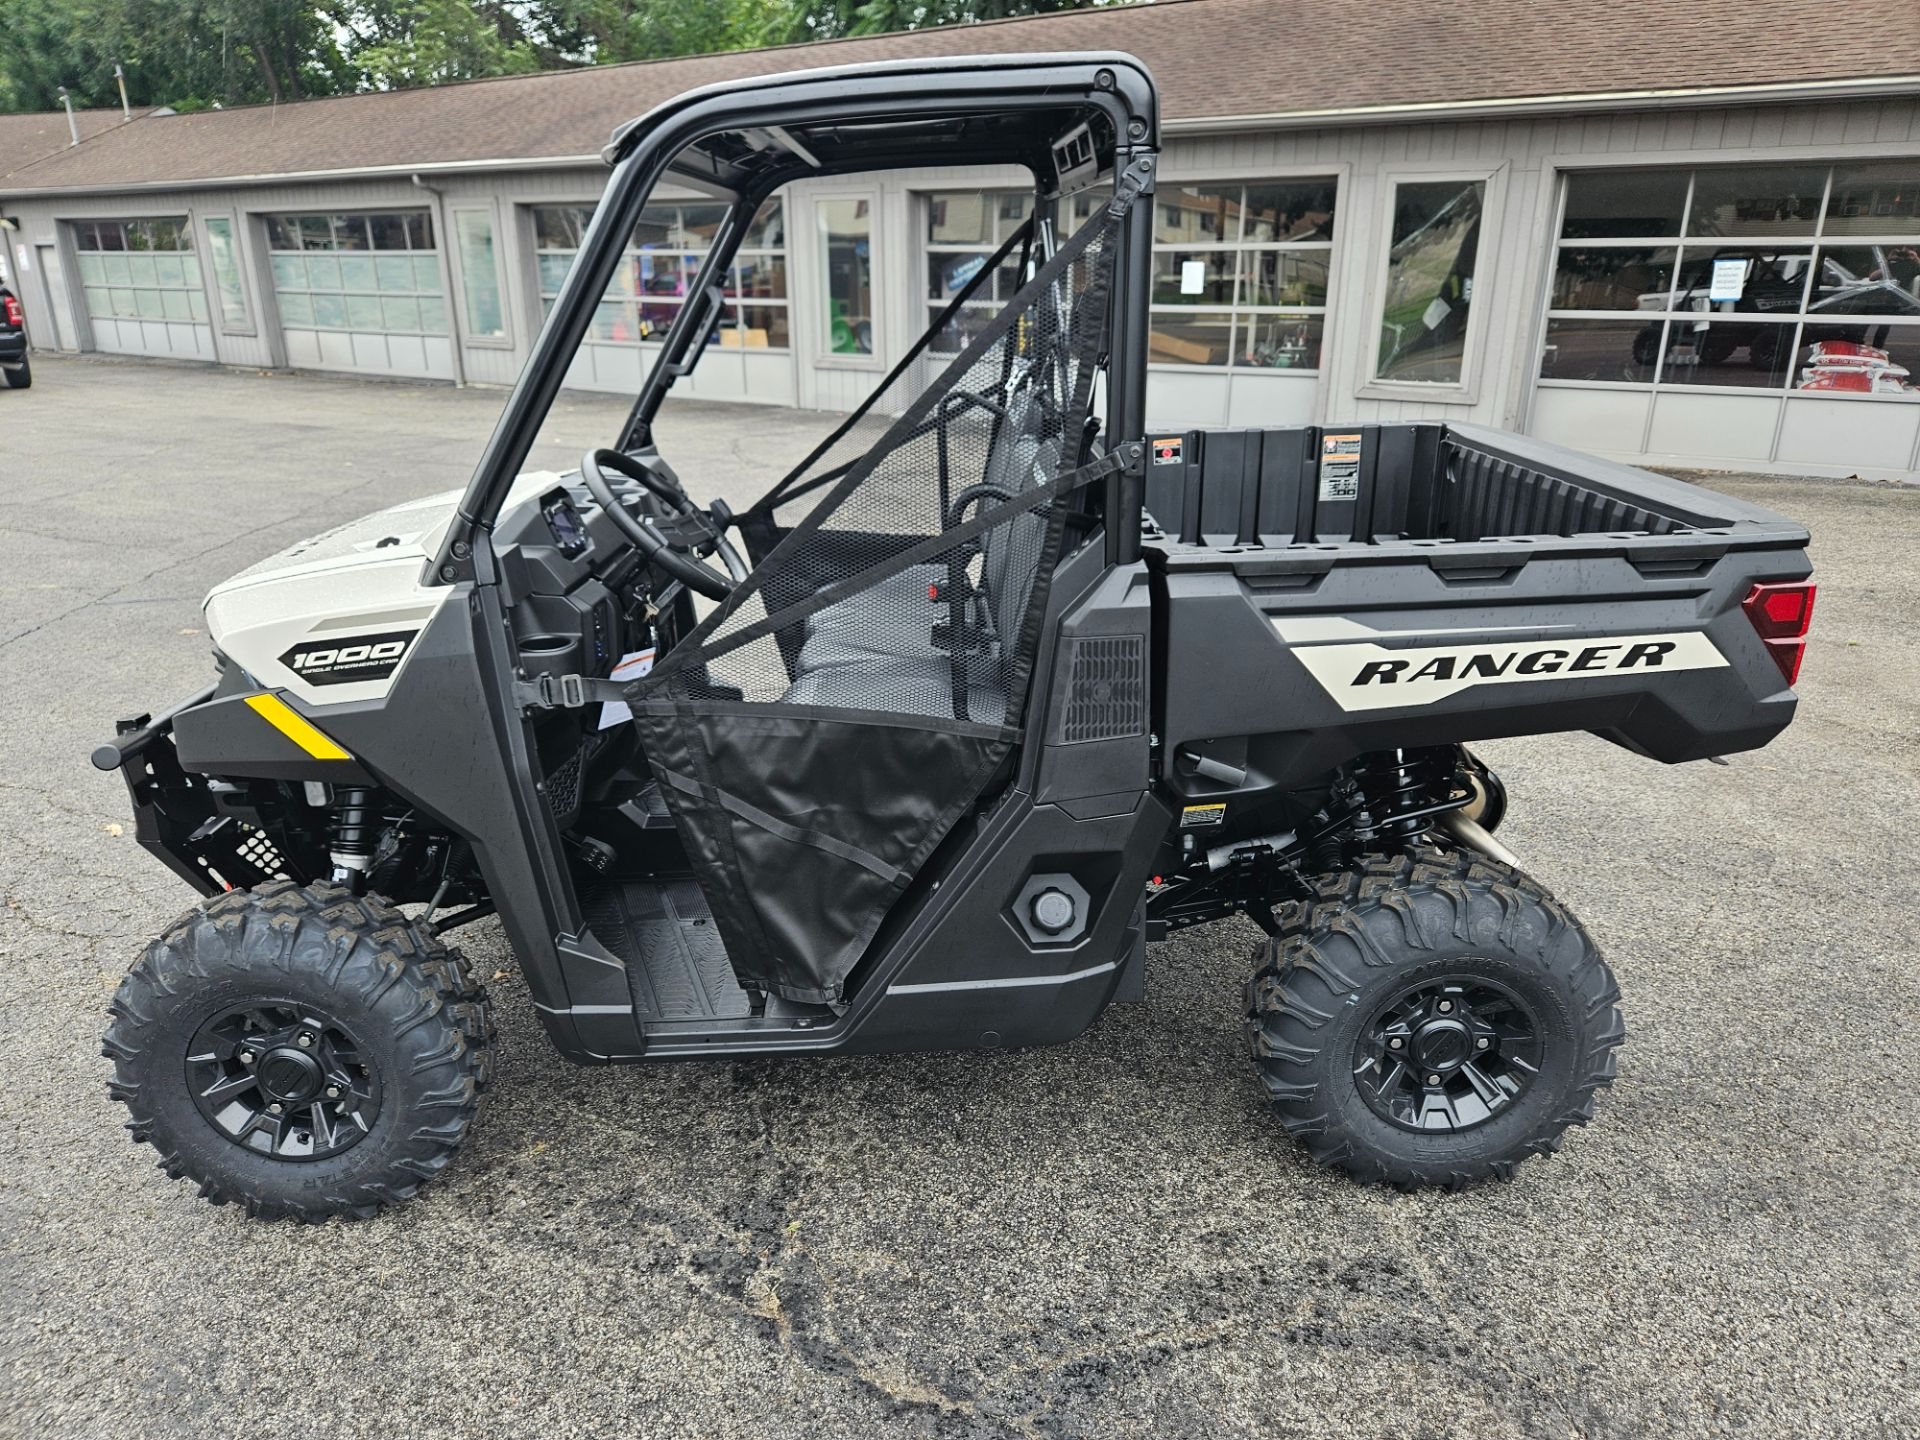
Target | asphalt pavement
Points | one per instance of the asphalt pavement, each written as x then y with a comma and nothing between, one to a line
1112,1238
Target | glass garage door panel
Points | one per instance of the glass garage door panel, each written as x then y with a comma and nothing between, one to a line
141,283
1774,306
361,292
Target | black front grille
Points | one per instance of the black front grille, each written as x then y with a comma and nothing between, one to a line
1106,689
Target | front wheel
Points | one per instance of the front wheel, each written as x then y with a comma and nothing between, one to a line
1431,1019
299,1051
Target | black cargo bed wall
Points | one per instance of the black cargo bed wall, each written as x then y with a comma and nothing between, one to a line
1340,483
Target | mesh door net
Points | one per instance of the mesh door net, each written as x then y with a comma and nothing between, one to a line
822,730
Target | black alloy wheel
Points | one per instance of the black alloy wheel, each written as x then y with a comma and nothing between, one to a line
283,1080
1448,1054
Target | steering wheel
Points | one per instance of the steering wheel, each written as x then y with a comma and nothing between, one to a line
677,556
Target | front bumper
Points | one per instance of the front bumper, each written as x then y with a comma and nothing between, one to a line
175,816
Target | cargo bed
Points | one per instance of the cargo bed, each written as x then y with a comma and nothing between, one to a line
1416,584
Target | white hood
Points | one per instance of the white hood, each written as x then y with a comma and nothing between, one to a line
343,606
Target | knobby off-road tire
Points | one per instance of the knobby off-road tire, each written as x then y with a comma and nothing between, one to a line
368,1034
1462,959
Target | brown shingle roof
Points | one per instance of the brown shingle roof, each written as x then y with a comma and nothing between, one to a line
27,138
1212,58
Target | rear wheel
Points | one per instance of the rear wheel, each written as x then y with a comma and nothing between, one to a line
18,377
1431,1019
301,1052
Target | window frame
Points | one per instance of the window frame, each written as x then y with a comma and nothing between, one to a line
1813,243
458,261
248,302
1341,176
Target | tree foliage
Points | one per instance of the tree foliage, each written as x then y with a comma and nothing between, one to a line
192,54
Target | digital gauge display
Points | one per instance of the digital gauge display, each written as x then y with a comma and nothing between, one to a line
569,530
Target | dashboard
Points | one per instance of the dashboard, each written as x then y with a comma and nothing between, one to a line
579,594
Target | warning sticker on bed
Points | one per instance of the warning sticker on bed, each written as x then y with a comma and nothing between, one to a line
1196,817
1339,467
1167,452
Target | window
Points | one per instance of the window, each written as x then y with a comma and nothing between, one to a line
1429,290
377,273
846,251
1739,277
225,256
479,274
662,259
964,228
1240,273
140,269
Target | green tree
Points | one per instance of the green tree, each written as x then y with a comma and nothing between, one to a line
195,53
185,53
397,43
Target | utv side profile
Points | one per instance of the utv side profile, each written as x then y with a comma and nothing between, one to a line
925,748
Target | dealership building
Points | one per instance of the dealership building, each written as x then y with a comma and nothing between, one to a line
1685,233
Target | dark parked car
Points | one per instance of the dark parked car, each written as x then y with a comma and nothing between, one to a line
14,370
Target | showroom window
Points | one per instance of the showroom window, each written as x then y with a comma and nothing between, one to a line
964,228
140,269
1798,277
1240,273
1428,298
376,273
659,268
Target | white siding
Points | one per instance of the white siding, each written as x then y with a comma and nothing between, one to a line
1522,159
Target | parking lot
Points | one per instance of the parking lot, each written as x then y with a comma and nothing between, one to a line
1112,1238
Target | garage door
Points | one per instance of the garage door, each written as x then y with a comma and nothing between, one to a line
361,292
144,294
1738,313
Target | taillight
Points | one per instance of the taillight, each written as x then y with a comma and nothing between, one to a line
1781,612
12,306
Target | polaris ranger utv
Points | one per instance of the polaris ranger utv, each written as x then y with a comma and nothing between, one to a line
923,749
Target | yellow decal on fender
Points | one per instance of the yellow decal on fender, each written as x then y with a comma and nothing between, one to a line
297,728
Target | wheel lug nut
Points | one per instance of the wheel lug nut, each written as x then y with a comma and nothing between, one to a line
1445,1006
333,1091
1482,1043
1433,1079
305,1042
275,1108
1396,1043
246,1057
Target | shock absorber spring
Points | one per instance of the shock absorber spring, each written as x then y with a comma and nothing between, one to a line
1401,790
351,834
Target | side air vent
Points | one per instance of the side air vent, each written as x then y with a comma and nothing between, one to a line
1107,689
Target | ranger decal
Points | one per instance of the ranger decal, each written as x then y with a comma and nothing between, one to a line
1366,676
350,659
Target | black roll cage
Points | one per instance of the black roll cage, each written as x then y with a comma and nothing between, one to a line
876,117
